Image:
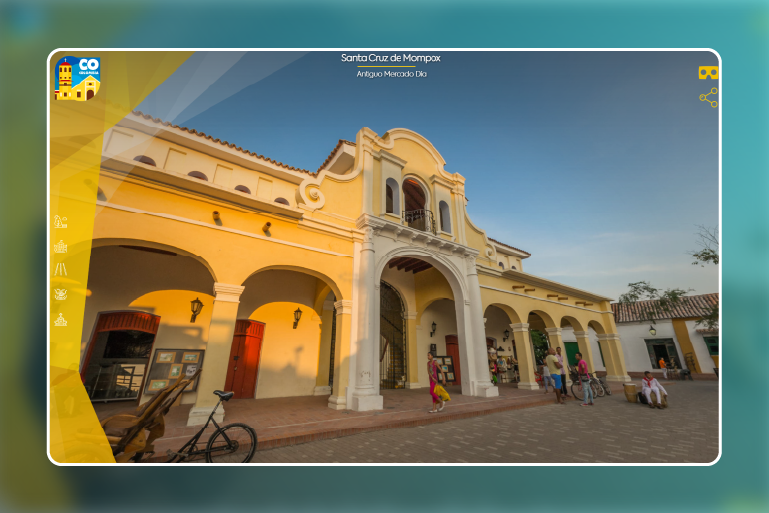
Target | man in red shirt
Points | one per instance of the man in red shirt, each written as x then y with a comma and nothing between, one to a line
584,376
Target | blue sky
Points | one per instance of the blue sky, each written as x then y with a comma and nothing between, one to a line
600,164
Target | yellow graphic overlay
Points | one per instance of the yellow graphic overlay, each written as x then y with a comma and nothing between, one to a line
708,72
76,136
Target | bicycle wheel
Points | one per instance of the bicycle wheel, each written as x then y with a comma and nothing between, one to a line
606,387
577,391
597,389
234,443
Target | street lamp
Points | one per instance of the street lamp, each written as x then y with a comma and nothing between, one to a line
652,331
197,306
435,327
297,316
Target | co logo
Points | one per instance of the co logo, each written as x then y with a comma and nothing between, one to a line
91,64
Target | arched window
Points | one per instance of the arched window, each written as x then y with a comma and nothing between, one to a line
243,188
282,201
100,195
392,197
198,175
501,265
513,268
145,160
443,209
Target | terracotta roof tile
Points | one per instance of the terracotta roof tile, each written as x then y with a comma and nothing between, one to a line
508,246
223,143
691,306
333,152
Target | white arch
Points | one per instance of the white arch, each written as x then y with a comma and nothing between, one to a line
456,281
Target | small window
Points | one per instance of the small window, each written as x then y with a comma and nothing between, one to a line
78,94
198,175
392,197
513,268
501,265
443,210
282,201
100,195
243,188
145,160
712,343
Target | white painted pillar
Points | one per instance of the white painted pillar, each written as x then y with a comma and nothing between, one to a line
480,384
217,355
366,396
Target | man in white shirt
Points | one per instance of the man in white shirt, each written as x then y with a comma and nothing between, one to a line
650,384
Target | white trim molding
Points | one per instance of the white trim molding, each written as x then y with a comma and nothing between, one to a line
227,292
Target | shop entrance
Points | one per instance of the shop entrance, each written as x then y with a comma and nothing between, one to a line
392,347
118,355
665,349
243,369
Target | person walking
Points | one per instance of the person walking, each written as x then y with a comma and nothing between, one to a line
545,375
434,371
664,368
584,377
563,372
555,374
650,384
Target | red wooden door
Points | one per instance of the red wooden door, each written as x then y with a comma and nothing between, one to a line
452,349
244,359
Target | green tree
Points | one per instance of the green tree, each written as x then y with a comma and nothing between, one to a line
541,345
709,243
652,303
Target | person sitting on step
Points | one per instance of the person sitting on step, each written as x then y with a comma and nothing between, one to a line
650,384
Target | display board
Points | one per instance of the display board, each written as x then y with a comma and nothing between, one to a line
168,364
446,364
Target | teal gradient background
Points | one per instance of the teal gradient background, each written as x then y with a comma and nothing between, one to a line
29,31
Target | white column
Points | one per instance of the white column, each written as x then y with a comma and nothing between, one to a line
366,396
217,355
480,384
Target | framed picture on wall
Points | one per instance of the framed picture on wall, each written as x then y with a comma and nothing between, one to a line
449,376
158,384
190,357
445,368
447,360
176,370
439,361
165,357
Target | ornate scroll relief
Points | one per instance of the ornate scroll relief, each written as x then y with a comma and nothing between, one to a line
387,142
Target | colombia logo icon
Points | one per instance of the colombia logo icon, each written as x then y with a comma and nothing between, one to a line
77,78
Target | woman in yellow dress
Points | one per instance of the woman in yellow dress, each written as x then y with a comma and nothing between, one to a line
434,371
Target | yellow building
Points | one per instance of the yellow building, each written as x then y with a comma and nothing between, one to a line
86,89
335,282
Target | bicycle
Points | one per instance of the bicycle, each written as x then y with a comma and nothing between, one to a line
604,385
578,391
233,443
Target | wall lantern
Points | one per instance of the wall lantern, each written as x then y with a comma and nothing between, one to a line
652,331
297,316
197,306
434,328
507,335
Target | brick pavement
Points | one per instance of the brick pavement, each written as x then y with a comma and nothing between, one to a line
613,431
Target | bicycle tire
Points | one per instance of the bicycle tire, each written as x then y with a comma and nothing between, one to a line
606,387
577,391
597,389
244,439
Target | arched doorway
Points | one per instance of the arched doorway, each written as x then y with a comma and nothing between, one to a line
89,94
392,336
115,365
